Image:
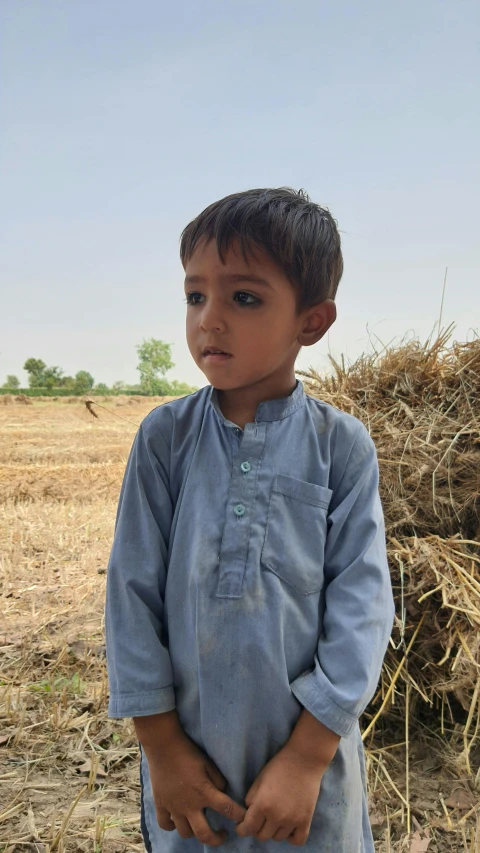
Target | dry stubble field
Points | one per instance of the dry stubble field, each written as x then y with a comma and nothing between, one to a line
68,775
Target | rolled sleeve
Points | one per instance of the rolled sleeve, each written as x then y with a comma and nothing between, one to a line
359,607
142,704
139,667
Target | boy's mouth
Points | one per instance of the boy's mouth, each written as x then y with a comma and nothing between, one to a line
213,355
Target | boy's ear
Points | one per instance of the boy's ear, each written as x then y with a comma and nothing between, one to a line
317,321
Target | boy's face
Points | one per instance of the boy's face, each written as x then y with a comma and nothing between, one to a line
242,323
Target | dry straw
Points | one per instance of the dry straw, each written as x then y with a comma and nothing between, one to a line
421,405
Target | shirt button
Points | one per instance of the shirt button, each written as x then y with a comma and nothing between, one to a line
239,509
245,467
237,431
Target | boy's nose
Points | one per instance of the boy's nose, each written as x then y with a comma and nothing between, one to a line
212,318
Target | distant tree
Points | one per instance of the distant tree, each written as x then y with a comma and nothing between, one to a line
67,382
101,388
41,376
12,382
155,360
180,389
35,368
161,388
118,386
52,377
84,381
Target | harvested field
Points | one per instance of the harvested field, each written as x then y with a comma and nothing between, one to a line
60,474
69,776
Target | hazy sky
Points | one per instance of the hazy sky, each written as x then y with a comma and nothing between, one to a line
122,119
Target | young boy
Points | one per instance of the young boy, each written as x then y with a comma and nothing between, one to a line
249,602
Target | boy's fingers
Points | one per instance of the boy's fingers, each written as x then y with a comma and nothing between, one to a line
204,832
250,795
183,826
298,837
268,830
224,805
282,833
164,820
215,776
252,824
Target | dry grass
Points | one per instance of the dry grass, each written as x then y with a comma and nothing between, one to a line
60,473
421,404
69,776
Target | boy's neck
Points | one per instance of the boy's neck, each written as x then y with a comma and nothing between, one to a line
239,405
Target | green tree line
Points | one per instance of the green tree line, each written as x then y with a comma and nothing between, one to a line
155,361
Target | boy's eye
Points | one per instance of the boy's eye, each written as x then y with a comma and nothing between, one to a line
194,298
241,297
244,298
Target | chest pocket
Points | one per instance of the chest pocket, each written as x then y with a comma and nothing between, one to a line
296,531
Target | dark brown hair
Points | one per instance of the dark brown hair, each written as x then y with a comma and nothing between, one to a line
300,236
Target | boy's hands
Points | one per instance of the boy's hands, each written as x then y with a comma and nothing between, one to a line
282,800
184,780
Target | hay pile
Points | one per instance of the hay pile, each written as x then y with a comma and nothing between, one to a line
421,405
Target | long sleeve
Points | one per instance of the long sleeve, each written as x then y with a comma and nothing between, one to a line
359,605
139,667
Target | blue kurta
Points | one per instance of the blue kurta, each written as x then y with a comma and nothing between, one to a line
248,578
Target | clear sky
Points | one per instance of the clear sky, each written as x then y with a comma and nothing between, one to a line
122,119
